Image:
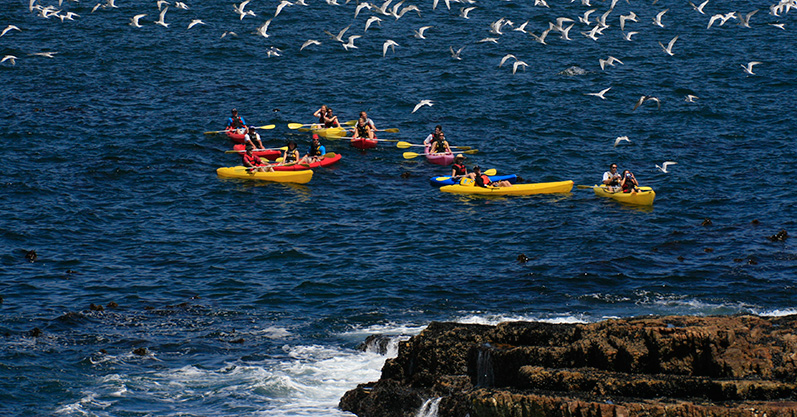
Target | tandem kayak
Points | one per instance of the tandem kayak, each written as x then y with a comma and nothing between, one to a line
328,132
323,162
643,197
270,154
520,189
440,181
235,136
364,143
241,172
438,158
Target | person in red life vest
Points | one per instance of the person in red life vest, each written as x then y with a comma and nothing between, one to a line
254,163
236,122
252,138
629,183
482,180
458,169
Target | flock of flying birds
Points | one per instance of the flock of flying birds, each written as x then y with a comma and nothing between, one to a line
593,22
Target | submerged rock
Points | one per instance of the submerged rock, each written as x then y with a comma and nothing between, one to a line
665,366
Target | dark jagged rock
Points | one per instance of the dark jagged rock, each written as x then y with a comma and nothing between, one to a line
377,343
665,366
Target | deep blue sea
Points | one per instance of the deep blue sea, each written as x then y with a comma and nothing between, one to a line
226,297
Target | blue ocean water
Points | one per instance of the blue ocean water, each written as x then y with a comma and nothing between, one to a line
252,298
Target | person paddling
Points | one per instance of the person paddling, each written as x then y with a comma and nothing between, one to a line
330,120
236,122
440,145
482,180
254,162
315,152
252,138
364,127
437,131
458,169
291,155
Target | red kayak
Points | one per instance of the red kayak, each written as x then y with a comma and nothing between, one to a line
296,167
364,143
270,154
235,136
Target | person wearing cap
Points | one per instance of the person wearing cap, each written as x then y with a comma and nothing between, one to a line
458,169
252,138
315,152
236,122
254,162
291,155
482,180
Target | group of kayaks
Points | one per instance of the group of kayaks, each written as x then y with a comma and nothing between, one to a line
302,173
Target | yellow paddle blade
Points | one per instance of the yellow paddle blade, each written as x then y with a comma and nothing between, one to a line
405,145
213,132
266,127
350,123
304,129
280,159
294,126
390,130
329,155
490,172
471,152
584,187
284,148
463,148
410,155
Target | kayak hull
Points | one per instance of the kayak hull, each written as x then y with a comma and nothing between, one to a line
441,181
520,189
644,197
241,172
268,154
364,143
438,158
235,136
329,132
324,162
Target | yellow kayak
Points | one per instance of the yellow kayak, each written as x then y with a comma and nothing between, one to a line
330,132
644,197
515,189
241,172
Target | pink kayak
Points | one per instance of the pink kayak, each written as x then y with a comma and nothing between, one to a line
364,143
321,163
270,154
438,158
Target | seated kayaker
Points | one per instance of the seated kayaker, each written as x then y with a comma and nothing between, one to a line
315,152
363,129
321,114
611,179
482,180
291,155
458,169
364,116
254,162
236,122
629,183
440,145
437,131
252,138
330,120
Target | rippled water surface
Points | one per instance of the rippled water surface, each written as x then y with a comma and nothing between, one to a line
251,298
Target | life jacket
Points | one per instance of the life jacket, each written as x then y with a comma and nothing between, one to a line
438,146
482,180
290,155
315,150
459,169
252,160
236,122
628,186
614,181
328,124
362,131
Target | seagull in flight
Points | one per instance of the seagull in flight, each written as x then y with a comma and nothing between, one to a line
463,12
627,36
420,32
600,93
263,29
390,43
505,58
134,20
180,5
370,21
195,22
621,139
668,48
44,54
9,28
339,36
646,98
657,19
350,44
455,54
421,104
517,64
10,58
749,67
690,98
664,165
308,43
609,61
160,20
699,8
282,5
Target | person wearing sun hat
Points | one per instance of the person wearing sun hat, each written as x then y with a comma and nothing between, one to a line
458,169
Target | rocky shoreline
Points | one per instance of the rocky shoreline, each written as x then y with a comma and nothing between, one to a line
661,366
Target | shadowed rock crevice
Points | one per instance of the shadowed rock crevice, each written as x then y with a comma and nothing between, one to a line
665,366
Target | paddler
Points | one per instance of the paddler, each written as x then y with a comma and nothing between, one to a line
236,122
611,179
254,162
291,155
364,127
458,169
437,131
440,145
482,180
315,151
629,183
330,120
321,114
252,138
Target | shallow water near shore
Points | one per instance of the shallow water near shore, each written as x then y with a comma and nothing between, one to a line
252,298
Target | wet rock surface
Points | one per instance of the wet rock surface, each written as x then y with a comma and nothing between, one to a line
662,366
